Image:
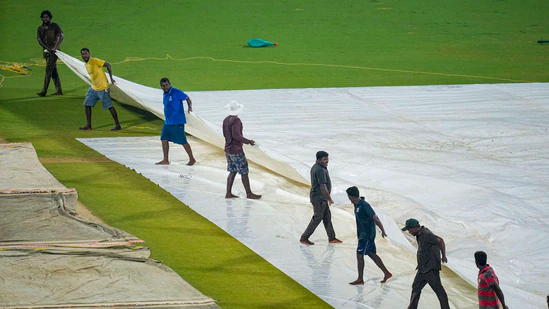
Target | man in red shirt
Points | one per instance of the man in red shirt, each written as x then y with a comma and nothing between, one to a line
489,292
236,159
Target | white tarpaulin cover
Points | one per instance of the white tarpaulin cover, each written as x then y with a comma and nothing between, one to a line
50,257
469,162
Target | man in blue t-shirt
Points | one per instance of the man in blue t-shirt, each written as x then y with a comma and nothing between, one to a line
366,221
174,125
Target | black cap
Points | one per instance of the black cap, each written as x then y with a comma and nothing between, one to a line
410,223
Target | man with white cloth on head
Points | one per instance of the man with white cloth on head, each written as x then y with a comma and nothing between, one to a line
236,159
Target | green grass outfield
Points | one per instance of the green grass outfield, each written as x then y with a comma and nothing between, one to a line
322,44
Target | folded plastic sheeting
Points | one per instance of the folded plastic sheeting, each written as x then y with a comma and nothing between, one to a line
50,218
76,278
21,170
469,162
37,210
50,257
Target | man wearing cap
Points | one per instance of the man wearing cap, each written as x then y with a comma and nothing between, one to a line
234,152
366,221
50,36
321,187
174,123
429,249
490,295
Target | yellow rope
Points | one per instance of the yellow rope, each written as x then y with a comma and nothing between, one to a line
168,57
41,62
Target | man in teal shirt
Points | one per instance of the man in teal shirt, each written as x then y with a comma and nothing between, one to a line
366,221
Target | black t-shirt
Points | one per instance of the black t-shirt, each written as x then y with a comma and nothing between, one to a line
428,251
319,175
48,35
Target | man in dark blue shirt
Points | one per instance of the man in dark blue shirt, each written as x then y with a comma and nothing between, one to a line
174,125
366,221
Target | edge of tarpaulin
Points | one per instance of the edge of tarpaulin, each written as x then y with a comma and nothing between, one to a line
127,304
14,143
72,244
207,134
37,191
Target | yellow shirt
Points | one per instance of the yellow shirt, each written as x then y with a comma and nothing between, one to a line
99,80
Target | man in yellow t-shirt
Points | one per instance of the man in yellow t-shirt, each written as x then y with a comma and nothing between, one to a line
99,89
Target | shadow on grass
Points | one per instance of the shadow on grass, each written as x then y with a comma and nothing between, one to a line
46,98
143,115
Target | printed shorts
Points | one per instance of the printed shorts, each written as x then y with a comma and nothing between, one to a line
174,133
365,247
92,96
237,163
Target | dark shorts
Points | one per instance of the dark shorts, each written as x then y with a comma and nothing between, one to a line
174,133
365,247
92,96
237,163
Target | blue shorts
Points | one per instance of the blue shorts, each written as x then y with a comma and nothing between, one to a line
174,133
94,95
237,163
365,247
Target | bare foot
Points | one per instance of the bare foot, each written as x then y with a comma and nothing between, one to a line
86,128
163,162
253,196
387,276
116,128
191,162
230,195
357,282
